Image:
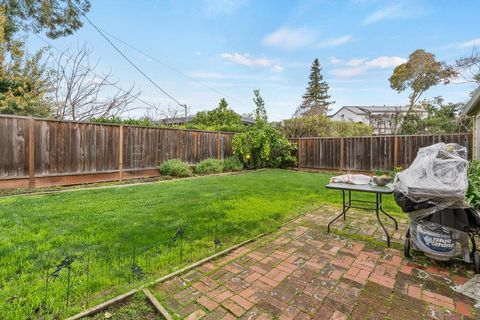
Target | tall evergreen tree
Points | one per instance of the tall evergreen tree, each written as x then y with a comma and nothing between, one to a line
316,98
260,111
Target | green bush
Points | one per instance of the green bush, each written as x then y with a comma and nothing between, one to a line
175,168
263,146
232,164
321,126
473,192
222,118
144,122
209,166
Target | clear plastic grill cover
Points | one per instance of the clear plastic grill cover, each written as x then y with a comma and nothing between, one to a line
435,182
437,175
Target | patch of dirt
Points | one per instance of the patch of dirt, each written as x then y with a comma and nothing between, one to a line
136,307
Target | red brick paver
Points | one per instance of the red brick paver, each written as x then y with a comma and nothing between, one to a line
301,272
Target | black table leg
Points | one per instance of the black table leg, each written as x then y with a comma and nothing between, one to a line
377,210
381,209
349,204
344,210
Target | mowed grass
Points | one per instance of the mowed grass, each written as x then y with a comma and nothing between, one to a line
158,227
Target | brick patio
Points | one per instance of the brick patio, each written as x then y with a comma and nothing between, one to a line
301,272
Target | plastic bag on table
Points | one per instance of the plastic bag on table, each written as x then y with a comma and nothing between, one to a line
351,179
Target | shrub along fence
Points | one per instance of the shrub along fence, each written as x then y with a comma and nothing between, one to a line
41,152
369,153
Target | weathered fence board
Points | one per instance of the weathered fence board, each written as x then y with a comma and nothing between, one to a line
14,147
369,153
67,152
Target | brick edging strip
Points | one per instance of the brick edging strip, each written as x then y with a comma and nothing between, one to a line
130,293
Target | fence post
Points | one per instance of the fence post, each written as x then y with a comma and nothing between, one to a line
342,153
395,152
299,153
180,144
219,151
31,153
120,152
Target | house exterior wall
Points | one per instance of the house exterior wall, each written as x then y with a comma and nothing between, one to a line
347,115
476,138
380,120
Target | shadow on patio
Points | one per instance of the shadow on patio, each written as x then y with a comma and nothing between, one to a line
302,272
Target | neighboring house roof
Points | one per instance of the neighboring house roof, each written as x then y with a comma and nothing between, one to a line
177,120
182,120
365,110
473,105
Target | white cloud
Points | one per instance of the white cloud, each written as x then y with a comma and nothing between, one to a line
385,62
277,68
469,43
249,61
336,41
216,7
335,60
394,11
357,67
462,45
348,72
288,38
355,62
246,60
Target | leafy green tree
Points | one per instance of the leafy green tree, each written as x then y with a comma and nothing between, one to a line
316,97
321,126
418,74
56,17
221,118
25,82
260,111
440,118
262,146
412,123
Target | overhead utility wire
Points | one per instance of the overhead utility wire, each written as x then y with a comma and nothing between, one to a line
131,62
170,67
97,75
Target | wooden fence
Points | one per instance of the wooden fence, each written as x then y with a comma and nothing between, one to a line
39,152
368,153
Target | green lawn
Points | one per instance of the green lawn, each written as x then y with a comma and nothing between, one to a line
117,237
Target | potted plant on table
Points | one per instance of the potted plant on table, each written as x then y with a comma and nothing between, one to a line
382,178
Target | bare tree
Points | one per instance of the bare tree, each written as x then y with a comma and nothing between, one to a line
469,67
81,93
174,112
387,122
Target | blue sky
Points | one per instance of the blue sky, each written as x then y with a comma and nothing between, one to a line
235,46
